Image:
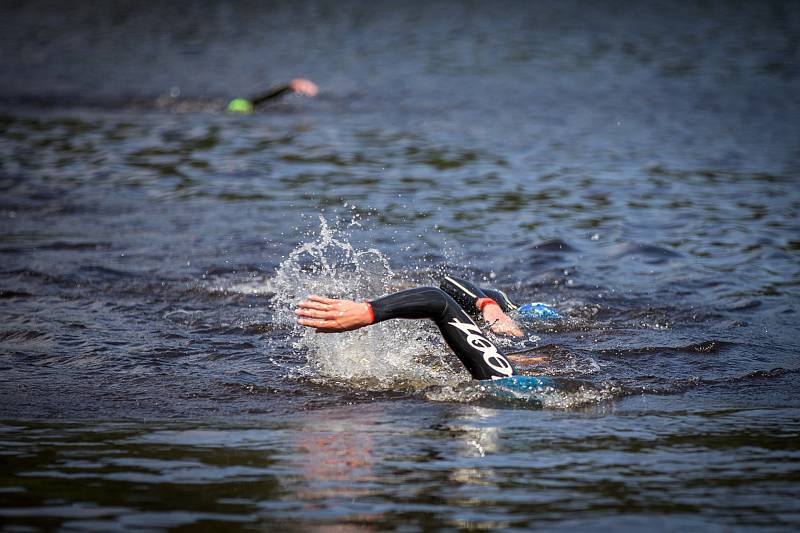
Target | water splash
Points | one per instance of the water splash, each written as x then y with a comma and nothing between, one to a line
554,393
406,355
328,264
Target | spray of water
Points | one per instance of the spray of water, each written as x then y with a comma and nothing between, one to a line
564,394
393,355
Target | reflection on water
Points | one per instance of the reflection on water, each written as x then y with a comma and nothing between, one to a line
425,465
336,458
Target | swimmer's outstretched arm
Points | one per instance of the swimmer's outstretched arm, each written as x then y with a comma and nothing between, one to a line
492,304
482,359
297,85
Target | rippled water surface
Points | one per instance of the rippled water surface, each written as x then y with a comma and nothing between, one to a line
635,166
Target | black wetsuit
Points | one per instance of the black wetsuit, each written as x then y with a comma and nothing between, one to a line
270,95
446,307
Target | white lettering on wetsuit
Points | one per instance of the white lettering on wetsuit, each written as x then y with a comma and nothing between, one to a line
491,356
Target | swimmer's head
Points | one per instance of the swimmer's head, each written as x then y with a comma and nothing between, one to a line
537,310
240,105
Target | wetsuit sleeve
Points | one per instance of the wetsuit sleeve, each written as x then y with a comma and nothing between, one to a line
271,94
502,299
479,355
464,292
467,294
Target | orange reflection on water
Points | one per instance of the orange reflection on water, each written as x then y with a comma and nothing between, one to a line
338,462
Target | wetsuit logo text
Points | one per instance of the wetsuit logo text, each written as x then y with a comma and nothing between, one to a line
491,357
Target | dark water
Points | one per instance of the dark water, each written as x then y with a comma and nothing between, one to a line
635,166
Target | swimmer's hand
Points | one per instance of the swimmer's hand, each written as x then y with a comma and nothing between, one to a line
329,315
501,323
304,86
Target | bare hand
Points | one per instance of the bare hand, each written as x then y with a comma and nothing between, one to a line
303,86
501,323
330,315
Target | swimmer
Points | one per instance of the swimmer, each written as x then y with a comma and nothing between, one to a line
297,85
452,307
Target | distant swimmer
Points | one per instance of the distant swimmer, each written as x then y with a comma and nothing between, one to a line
297,85
453,307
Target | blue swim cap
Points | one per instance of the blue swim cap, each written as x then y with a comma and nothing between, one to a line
538,310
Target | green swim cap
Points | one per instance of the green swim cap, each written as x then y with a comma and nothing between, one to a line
240,105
